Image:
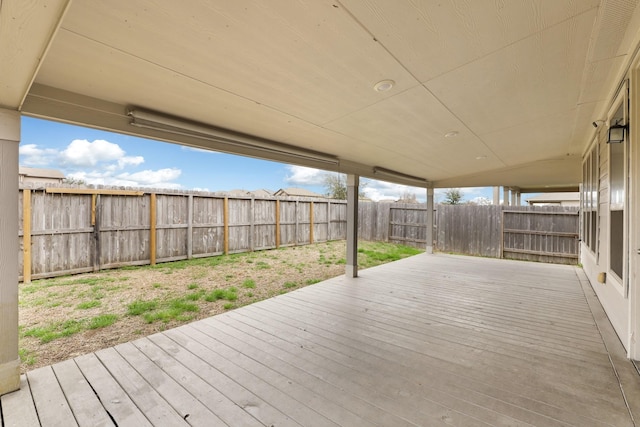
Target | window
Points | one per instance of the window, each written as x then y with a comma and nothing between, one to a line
617,197
590,177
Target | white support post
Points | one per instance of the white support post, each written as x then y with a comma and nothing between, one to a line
518,198
514,197
353,182
9,247
496,196
429,220
506,198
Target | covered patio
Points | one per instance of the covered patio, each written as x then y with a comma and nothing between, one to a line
429,340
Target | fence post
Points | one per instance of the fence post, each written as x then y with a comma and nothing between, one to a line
190,227
277,224
26,235
95,217
252,221
225,215
311,223
297,223
152,229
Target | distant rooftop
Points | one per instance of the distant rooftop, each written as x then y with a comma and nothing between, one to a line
293,191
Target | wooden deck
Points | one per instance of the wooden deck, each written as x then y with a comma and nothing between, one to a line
427,341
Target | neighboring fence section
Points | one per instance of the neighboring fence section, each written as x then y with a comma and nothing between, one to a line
75,230
544,233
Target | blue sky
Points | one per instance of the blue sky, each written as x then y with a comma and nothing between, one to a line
100,157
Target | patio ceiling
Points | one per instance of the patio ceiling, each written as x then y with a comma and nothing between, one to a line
520,82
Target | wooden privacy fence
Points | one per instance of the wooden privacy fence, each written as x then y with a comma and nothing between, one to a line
539,233
76,230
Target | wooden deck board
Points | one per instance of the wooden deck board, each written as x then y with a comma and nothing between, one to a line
49,399
84,404
114,399
430,340
18,409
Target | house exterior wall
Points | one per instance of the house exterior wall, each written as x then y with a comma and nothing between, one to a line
620,297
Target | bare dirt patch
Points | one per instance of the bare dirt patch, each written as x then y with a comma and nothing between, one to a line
65,317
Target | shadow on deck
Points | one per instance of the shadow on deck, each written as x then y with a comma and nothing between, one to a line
426,341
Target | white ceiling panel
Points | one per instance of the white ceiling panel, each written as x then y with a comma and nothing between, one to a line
530,79
519,81
433,37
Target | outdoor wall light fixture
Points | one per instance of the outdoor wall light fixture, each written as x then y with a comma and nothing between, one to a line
177,126
616,133
382,172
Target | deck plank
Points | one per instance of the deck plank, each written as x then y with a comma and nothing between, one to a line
48,397
84,404
190,409
202,346
114,399
212,398
241,396
18,409
154,407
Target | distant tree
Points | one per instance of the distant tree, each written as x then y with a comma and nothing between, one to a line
335,185
71,180
482,201
453,196
408,197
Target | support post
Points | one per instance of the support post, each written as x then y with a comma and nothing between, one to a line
9,249
496,196
430,207
353,182
506,198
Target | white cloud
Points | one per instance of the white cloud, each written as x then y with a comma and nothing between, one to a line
99,163
32,155
300,175
130,161
150,177
83,153
382,190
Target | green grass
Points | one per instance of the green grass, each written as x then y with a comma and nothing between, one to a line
137,308
229,306
102,321
54,330
192,286
289,285
224,294
372,254
27,357
312,281
88,304
249,284
177,309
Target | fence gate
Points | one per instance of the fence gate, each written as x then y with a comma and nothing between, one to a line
543,236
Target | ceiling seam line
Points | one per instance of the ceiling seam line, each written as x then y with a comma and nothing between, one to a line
44,53
397,60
